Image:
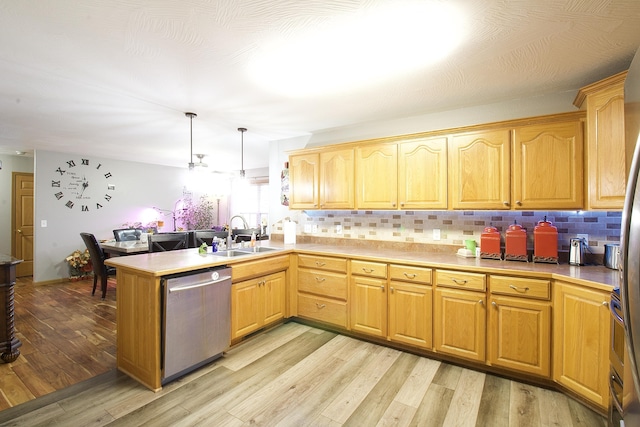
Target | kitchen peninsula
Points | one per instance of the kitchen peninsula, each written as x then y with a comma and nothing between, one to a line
487,314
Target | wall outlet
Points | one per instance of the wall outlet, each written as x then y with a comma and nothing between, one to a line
338,228
436,234
584,237
307,228
314,228
43,223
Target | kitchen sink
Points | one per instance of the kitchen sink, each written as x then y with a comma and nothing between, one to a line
231,253
257,249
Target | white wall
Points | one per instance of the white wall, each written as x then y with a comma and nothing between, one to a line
10,164
139,187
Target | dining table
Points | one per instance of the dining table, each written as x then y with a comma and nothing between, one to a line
128,247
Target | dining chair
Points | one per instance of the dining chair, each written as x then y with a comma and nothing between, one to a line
161,242
124,234
97,260
198,237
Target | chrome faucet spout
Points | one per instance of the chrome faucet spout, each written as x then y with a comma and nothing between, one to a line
244,222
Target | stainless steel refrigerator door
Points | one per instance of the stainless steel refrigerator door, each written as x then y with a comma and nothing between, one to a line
197,320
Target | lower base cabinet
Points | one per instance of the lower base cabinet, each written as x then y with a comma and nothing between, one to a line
410,314
520,335
460,323
582,334
257,302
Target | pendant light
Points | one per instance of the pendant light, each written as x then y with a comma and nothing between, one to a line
242,131
191,116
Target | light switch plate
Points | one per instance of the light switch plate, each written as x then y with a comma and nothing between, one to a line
43,223
436,234
307,228
314,228
338,228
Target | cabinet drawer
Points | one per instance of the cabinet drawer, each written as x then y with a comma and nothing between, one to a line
323,263
369,269
410,274
520,286
325,283
461,280
247,270
323,309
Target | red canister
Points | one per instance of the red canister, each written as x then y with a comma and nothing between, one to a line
516,243
545,242
490,243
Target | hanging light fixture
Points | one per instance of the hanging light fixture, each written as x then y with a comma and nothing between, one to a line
242,131
191,116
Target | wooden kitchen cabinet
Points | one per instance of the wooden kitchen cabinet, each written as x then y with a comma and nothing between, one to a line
377,176
459,314
479,166
605,142
581,328
422,173
322,180
519,333
368,298
304,175
548,166
410,300
323,289
257,302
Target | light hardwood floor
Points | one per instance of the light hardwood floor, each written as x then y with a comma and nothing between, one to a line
296,375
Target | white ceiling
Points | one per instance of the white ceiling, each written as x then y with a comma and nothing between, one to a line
113,78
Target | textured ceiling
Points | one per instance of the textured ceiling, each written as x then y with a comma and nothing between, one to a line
113,78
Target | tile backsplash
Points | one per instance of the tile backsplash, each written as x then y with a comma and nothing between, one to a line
455,226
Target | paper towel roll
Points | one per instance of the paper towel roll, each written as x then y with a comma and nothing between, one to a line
289,233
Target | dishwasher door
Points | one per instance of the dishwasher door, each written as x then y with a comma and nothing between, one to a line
196,320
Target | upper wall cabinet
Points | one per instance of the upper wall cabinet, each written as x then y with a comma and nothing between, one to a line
607,159
322,180
336,179
479,165
304,173
377,176
547,166
422,173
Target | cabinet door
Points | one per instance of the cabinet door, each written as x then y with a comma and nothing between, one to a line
548,166
479,166
337,179
422,174
606,177
410,314
273,290
520,335
247,307
377,176
460,323
304,170
368,302
581,332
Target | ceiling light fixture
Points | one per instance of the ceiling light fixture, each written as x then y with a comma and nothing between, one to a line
191,116
242,131
200,164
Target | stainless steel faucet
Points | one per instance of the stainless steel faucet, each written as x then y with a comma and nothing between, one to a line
229,238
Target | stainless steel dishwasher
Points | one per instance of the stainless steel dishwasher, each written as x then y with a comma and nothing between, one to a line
196,321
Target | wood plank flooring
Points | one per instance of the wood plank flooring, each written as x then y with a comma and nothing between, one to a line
292,375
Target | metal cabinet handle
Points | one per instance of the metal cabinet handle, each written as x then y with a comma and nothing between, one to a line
19,231
459,282
367,270
393,205
517,289
320,279
410,276
481,302
605,303
391,288
262,283
518,202
505,203
320,264
493,303
320,306
382,288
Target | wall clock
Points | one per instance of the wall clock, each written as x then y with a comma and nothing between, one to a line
82,185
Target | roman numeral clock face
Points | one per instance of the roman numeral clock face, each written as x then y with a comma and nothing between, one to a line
82,185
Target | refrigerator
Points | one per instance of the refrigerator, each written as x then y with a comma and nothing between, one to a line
630,252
